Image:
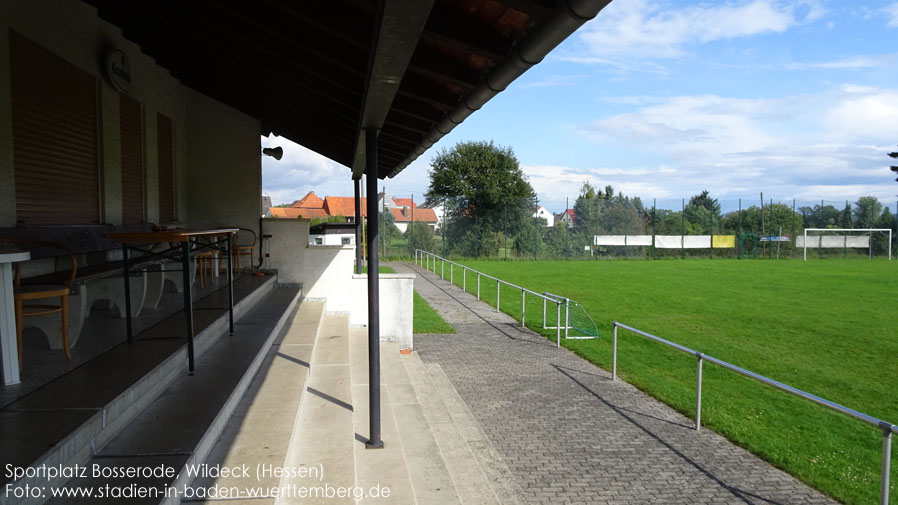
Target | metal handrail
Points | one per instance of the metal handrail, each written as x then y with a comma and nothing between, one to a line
423,258
886,427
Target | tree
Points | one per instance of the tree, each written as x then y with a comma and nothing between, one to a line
820,216
703,213
484,191
866,211
391,232
420,236
528,242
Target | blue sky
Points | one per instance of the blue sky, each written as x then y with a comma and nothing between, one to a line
663,99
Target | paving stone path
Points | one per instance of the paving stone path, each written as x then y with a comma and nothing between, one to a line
571,435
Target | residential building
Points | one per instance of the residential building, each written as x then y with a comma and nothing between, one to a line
566,217
541,212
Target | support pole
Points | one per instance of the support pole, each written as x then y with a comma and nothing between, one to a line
127,293
357,184
698,393
374,440
523,307
558,324
498,291
614,355
886,465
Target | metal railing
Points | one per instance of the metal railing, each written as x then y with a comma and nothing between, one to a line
429,261
887,428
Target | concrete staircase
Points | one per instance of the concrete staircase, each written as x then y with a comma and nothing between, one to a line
435,452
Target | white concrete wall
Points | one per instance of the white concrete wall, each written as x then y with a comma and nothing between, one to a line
327,272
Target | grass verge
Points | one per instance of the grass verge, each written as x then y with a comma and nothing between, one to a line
427,320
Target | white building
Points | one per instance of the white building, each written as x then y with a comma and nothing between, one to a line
545,214
342,234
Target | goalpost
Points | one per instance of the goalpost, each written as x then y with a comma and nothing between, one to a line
843,240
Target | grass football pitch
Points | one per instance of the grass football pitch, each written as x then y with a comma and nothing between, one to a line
826,327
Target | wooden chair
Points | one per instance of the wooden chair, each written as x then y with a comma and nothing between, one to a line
27,293
244,249
205,261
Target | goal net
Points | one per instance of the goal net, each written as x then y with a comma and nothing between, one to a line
850,241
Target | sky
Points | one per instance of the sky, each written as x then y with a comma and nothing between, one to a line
797,99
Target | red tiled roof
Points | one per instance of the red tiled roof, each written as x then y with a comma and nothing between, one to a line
344,206
405,202
421,214
292,213
311,200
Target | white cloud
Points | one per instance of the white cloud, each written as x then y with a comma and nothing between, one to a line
826,145
891,12
299,171
644,29
852,63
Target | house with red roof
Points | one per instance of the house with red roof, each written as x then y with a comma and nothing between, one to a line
403,210
402,216
567,217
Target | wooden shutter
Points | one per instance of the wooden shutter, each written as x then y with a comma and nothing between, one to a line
166,169
132,160
54,120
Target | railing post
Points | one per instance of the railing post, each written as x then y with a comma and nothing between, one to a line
478,285
442,269
614,355
523,307
544,313
464,279
498,290
558,324
451,277
698,393
567,316
886,464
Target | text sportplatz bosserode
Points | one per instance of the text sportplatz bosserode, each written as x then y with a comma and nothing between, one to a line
244,481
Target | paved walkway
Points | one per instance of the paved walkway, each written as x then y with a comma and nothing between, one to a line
571,435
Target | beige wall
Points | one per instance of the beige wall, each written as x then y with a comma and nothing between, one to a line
224,180
227,142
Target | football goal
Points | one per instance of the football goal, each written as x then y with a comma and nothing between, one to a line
843,238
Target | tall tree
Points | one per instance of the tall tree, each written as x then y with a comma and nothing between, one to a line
484,190
866,211
703,213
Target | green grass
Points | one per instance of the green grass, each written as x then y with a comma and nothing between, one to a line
427,320
380,269
826,327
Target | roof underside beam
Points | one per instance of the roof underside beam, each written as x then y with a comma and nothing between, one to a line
395,39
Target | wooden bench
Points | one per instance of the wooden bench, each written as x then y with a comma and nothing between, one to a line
99,273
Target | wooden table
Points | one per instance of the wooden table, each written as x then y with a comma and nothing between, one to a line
185,238
9,350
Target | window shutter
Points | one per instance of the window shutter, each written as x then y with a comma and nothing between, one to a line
54,118
132,160
166,169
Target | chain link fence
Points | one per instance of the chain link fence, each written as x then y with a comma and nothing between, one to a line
604,225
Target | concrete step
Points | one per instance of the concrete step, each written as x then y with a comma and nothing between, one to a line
385,467
491,463
259,431
322,439
469,480
66,421
181,425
